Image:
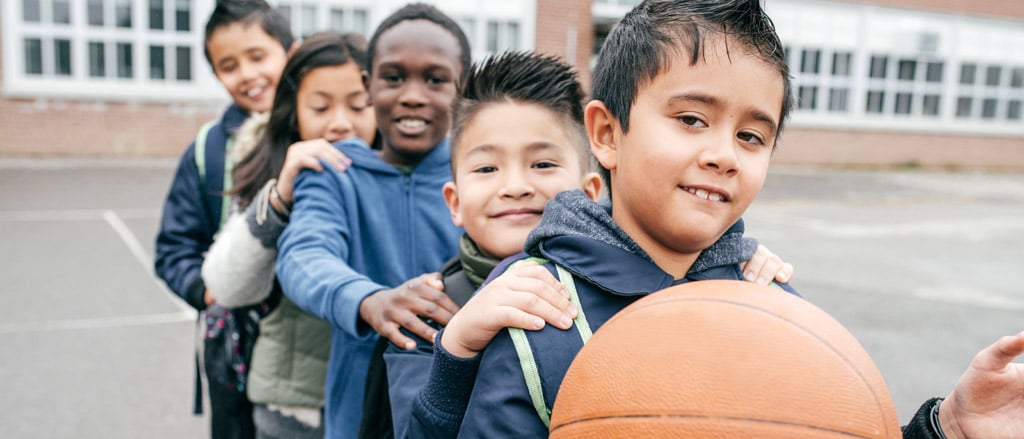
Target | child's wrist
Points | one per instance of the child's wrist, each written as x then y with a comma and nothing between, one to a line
454,348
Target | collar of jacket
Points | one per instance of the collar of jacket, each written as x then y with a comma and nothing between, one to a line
438,160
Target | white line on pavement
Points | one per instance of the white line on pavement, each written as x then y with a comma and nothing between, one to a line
96,323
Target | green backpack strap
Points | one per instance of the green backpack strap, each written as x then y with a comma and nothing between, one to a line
526,360
200,159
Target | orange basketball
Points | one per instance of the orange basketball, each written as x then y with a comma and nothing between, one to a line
718,359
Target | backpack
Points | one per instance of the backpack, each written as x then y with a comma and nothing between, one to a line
227,334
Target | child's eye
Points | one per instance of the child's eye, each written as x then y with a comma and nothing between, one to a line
750,138
692,121
435,80
485,169
391,78
545,165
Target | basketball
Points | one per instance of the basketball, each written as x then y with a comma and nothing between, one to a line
717,359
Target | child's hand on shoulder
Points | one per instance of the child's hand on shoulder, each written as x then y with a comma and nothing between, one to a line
387,311
526,296
307,154
766,266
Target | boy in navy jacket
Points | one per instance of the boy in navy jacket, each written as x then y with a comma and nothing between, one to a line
246,46
689,100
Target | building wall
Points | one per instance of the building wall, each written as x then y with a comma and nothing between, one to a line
565,28
1004,9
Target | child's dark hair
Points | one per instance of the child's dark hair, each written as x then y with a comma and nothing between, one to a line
421,11
226,12
640,47
322,49
523,77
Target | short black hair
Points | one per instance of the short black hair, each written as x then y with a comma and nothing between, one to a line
523,77
640,47
422,11
226,12
322,49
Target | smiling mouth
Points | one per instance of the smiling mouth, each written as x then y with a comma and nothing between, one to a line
411,123
254,92
519,214
706,195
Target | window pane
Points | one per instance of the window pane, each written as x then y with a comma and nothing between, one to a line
1013,110
807,97
841,64
492,36
903,103
286,10
468,25
907,67
156,62
308,21
837,100
809,61
183,59
95,12
988,108
33,56
992,75
182,16
513,36
30,11
934,73
930,105
359,21
786,50
156,14
337,20
967,73
963,106
123,13
1017,78
61,12
62,57
97,60
878,65
876,100
124,60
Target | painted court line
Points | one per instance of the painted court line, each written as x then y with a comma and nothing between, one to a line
96,323
71,215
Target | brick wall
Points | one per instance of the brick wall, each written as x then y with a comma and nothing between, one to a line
55,128
556,21
1003,9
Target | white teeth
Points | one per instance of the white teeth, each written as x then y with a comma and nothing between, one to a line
412,123
253,92
705,195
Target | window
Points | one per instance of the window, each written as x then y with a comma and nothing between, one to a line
807,97
841,64
307,21
878,66
33,56
809,61
97,60
337,19
963,106
502,35
156,62
967,73
1013,110
62,57
492,36
182,16
838,100
30,11
930,106
513,36
94,10
124,60
906,70
156,14
988,108
934,72
903,103
468,25
359,22
876,101
183,60
1017,78
123,13
61,12
992,76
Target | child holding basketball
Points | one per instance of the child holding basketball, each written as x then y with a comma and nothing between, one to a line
689,100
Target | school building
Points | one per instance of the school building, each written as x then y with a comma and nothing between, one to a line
935,83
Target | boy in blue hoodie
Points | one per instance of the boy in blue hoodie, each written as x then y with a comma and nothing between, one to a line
246,46
689,100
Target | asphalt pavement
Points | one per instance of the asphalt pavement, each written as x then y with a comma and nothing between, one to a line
921,266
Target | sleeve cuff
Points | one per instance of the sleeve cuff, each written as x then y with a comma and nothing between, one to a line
450,384
920,426
195,293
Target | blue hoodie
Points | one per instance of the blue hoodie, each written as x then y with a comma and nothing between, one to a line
351,234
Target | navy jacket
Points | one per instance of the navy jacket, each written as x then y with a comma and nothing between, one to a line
192,212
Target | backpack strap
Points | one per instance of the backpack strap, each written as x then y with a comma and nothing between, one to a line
526,360
200,159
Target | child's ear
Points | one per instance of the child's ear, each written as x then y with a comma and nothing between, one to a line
451,198
592,185
602,129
